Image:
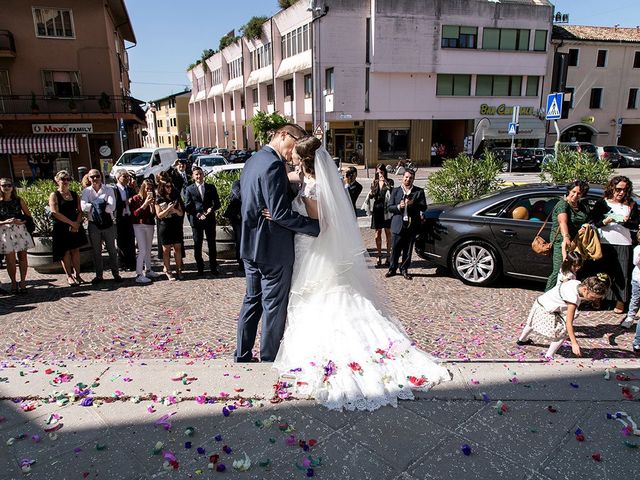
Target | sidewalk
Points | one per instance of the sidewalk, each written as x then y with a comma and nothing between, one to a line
518,419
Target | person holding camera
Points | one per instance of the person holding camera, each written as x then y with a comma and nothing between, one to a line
201,203
144,220
170,215
407,203
351,184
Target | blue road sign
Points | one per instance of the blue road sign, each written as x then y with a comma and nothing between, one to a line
554,106
513,128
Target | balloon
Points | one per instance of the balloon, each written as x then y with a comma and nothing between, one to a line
520,213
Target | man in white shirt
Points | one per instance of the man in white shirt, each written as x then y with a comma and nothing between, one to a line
101,196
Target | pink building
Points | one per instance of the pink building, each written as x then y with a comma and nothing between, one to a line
383,80
603,83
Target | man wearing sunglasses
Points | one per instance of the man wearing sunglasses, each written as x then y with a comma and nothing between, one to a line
99,203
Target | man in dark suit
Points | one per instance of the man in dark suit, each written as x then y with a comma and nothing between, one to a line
200,204
266,246
125,237
407,203
354,188
179,176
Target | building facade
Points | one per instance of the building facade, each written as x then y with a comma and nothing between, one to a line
168,122
64,86
602,103
383,81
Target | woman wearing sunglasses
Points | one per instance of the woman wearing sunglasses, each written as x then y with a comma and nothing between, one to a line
68,232
15,240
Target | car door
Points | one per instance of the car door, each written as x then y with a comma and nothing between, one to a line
515,227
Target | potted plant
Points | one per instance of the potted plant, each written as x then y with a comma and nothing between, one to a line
36,196
104,102
34,105
225,241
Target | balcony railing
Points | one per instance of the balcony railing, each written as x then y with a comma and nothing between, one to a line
7,44
41,104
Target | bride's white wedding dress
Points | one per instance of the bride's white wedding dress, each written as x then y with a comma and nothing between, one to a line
338,344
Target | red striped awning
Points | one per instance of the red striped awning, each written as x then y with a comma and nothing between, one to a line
19,144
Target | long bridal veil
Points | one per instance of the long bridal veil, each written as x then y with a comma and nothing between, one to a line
340,345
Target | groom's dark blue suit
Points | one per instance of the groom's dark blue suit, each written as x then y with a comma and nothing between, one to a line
266,246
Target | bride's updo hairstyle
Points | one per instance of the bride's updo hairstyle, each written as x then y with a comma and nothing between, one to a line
306,149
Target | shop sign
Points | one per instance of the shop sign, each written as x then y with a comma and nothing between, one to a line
51,128
588,120
504,109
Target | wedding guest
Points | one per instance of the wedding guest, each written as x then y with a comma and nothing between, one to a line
98,202
378,197
15,239
144,219
124,220
170,214
201,203
615,216
179,176
351,184
68,232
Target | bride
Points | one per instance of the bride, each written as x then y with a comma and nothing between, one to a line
338,344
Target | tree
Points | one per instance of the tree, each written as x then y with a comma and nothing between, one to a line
265,124
253,28
228,39
284,4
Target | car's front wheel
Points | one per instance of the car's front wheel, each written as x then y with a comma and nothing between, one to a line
475,262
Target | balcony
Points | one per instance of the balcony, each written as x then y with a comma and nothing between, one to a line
86,104
7,44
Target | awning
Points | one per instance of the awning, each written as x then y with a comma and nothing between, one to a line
259,76
498,128
301,61
20,144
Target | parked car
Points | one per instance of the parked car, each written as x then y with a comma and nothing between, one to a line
626,156
539,153
584,147
145,162
523,158
479,240
225,168
239,156
209,163
220,151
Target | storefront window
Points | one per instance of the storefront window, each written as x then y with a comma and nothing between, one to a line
393,144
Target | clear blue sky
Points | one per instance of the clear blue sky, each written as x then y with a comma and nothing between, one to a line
172,34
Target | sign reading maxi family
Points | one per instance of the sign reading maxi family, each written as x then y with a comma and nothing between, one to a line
49,128
506,110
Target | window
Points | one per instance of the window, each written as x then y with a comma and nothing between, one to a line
454,85
393,144
260,57
270,96
569,93
200,84
235,68
574,53
254,94
288,90
5,87
602,58
505,39
532,86
329,80
596,98
53,22
296,41
216,76
308,86
61,84
636,60
231,103
459,37
632,103
498,85
540,41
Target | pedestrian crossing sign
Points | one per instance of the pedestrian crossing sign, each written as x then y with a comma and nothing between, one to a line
513,128
554,106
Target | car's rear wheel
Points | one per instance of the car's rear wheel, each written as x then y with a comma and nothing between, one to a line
475,262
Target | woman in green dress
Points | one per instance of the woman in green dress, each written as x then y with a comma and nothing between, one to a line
568,217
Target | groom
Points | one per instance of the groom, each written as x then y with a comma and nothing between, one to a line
266,246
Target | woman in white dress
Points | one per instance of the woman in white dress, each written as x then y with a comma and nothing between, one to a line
338,344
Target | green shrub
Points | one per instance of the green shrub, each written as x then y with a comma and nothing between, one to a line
264,124
284,4
569,166
253,28
463,178
36,196
223,182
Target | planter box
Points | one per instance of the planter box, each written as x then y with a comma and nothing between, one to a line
41,260
225,243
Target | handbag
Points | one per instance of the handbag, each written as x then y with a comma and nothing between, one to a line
539,244
587,243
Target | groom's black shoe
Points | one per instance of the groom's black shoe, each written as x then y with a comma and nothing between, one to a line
406,275
390,273
247,360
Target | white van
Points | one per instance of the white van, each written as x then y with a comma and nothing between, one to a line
145,162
